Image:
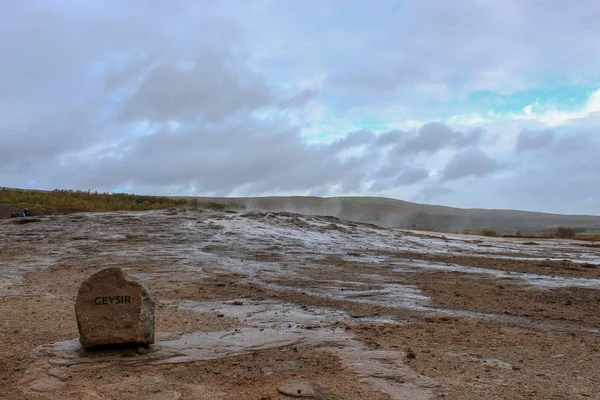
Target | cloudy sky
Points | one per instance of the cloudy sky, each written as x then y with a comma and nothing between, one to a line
468,103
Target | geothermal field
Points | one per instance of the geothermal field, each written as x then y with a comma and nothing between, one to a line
255,305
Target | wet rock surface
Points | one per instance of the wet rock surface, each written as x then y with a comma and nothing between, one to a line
249,301
114,309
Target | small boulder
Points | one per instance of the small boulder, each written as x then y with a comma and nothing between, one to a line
113,308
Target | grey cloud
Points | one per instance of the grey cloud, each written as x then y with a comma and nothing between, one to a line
63,62
211,89
462,46
554,180
126,74
434,136
254,158
430,138
529,140
413,175
353,139
257,157
557,179
381,184
379,80
575,143
471,137
53,52
47,137
472,162
389,169
431,192
392,176
298,100
392,137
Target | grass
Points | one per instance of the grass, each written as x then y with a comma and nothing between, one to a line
590,237
57,201
586,236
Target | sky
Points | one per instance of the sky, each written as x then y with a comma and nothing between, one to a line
466,103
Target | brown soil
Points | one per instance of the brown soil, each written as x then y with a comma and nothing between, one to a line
563,267
476,337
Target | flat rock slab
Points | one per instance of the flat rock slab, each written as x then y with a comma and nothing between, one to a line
303,389
114,308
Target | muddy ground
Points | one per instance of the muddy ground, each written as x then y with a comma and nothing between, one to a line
255,305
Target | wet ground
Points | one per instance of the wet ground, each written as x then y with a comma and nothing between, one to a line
261,305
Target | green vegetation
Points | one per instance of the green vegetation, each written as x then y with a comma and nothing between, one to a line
488,232
589,236
564,232
50,202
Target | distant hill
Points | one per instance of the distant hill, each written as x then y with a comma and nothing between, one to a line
402,214
376,210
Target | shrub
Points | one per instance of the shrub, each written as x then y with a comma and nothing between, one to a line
564,232
488,232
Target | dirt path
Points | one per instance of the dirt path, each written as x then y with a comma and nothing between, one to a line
250,305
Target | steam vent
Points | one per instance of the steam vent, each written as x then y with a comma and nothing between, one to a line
114,309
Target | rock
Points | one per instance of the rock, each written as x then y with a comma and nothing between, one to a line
46,384
114,308
302,389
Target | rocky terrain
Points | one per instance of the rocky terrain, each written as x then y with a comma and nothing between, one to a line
279,305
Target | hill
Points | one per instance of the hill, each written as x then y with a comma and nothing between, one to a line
402,214
381,211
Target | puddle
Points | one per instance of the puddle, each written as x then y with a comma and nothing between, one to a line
172,348
543,281
273,325
270,313
11,276
277,315
391,295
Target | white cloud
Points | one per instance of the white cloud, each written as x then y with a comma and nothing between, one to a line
551,115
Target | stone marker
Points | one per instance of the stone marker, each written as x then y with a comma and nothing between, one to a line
114,308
